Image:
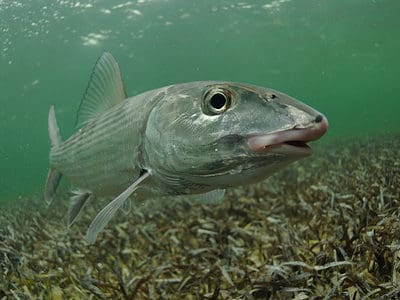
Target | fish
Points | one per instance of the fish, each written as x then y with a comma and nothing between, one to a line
191,140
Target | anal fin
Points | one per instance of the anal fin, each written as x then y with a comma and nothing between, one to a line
77,202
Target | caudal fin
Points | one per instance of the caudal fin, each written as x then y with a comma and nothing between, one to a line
53,177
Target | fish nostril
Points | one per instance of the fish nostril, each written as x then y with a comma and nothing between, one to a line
318,118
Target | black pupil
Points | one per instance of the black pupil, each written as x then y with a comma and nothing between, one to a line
218,100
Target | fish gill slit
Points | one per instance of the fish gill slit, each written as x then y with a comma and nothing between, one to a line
142,132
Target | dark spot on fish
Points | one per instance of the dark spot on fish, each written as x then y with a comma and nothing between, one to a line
318,118
269,96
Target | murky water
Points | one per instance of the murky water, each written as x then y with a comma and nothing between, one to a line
325,227
339,56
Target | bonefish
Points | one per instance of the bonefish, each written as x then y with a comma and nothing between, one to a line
194,139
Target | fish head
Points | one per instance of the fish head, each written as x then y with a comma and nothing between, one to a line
211,135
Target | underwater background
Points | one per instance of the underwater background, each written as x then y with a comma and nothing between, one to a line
341,57
326,227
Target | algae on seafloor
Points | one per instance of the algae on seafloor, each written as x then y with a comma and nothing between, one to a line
329,227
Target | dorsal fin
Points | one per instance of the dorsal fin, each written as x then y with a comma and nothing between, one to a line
105,89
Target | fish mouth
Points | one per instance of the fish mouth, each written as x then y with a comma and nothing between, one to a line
291,142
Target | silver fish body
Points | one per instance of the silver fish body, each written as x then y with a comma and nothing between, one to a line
104,156
194,138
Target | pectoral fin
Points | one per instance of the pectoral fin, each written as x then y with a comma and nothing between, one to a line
105,215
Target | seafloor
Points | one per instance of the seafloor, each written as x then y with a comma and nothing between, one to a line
327,227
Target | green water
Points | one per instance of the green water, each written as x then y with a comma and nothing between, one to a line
340,56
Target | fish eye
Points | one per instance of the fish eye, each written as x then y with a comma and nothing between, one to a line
216,101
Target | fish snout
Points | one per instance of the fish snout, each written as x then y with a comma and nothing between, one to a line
291,142
316,130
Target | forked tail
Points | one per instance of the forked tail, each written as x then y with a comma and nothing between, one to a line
53,177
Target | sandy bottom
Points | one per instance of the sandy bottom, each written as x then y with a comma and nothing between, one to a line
327,227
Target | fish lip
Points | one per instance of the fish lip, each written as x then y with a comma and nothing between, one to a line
289,149
290,142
